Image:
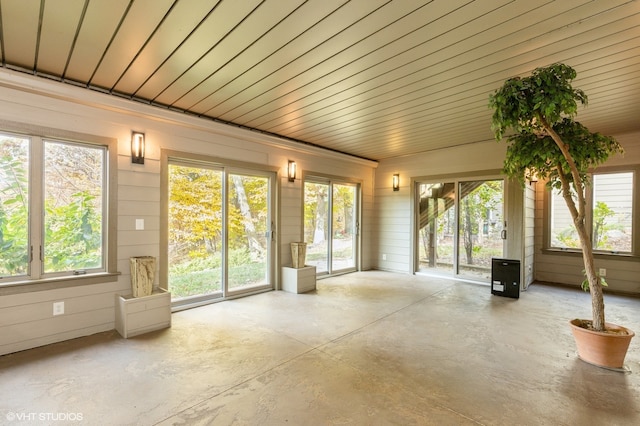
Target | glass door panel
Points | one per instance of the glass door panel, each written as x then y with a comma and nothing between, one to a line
459,227
316,225
195,246
479,227
437,226
343,230
248,232
331,225
219,232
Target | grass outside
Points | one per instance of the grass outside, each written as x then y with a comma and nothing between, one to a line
193,283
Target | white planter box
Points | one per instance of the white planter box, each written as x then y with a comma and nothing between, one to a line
299,280
138,315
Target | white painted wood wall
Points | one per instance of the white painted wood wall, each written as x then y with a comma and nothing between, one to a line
26,319
529,234
622,275
394,211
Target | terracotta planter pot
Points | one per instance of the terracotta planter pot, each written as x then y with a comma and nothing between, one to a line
601,349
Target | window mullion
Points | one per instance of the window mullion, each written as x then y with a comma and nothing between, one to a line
36,207
589,207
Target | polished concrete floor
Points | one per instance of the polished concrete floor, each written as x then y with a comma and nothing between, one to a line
370,348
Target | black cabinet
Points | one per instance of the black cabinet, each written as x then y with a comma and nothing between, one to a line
505,277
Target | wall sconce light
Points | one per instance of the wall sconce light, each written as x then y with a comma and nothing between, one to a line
396,182
531,177
137,148
291,171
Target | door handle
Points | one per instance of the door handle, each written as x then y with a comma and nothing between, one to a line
503,234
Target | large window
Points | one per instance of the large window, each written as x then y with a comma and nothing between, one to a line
52,208
610,202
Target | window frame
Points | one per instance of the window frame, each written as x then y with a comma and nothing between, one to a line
38,219
331,180
226,166
37,280
589,196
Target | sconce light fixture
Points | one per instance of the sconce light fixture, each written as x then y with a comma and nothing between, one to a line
396,182
137,148
291,171
531,177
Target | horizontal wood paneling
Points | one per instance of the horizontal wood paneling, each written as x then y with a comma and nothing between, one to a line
55,337
56,294
42,311
136,24
529,234
165,84
392,230
26,319
393,214
622,274
138,193
374,78
54,19
291,220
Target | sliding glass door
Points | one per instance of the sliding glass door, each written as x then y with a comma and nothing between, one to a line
459,227
196,234
480,227
219,231
437,227
249,231
331,225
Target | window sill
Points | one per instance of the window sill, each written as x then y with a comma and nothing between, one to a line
597,255
30,286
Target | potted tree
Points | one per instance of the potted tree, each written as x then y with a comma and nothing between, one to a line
545,141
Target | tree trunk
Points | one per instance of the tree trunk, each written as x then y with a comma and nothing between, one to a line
433,243
468,232
579,217
595,287
320,233
247,218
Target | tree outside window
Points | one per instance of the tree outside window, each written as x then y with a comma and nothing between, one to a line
14,205
69,210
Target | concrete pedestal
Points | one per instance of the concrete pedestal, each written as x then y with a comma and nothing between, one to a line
138,315
299,280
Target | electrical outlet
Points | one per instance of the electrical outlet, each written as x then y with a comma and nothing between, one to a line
602,272
384,257
139,224
58,308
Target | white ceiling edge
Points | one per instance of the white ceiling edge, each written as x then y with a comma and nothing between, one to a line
83,96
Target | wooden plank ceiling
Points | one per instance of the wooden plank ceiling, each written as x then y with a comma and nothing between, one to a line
372,78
